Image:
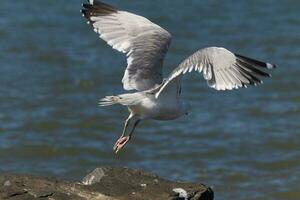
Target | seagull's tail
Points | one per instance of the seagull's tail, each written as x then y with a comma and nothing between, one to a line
123,99
109,100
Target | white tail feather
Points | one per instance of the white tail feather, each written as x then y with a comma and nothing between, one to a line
123,99
109,100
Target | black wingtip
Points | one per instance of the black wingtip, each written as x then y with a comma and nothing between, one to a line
84,12
271,66
87,6
255,62
97,8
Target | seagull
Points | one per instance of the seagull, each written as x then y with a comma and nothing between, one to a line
145,44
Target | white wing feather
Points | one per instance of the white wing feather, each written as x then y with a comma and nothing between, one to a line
222,69
144,42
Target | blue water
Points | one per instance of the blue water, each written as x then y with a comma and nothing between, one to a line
54,68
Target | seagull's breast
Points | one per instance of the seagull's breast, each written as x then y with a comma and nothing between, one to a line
168,112
158,109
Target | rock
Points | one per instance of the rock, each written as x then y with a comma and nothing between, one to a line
22,187
94,177
104,183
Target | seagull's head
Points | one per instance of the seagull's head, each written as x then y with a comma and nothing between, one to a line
185,107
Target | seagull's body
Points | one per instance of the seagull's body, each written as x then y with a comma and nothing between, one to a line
145,45
163,108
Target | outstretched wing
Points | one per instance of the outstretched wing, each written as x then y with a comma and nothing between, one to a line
144,42
222,69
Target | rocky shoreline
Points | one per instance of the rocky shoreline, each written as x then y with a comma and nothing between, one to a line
103,183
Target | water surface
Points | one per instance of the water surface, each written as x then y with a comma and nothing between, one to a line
245,143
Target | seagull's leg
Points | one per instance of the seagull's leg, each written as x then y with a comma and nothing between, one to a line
121,139
125,139
134,126
126,125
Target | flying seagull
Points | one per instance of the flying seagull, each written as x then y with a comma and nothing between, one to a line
145,45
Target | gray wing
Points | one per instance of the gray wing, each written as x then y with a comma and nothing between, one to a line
222,69
144,42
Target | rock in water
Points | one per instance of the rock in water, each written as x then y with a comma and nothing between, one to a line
104,183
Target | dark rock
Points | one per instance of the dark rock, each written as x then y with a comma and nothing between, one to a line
104,183
21,187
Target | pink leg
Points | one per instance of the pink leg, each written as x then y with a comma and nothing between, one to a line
121,142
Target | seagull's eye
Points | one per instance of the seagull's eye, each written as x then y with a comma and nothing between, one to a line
186,113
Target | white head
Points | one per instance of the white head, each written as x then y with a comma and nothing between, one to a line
185,107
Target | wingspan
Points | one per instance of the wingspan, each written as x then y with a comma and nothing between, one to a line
222,69
144,42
